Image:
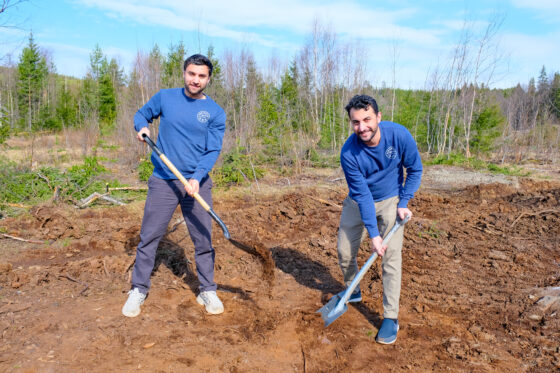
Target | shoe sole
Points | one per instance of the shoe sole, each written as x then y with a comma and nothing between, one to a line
201,302
134,314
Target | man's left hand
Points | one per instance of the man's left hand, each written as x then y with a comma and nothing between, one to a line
402,212
194,187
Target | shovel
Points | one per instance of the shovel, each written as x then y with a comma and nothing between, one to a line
185,182
336,306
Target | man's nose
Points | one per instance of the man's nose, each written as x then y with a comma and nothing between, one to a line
362,126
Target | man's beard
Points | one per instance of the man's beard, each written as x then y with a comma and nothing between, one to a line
373,133
194,93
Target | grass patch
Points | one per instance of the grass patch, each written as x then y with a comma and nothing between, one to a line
457,159
432,231
323,159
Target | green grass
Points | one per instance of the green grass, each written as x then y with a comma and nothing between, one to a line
432,231
457,159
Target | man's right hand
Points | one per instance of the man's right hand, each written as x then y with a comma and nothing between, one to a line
377,247
144,130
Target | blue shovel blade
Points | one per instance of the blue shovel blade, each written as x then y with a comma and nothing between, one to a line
328,312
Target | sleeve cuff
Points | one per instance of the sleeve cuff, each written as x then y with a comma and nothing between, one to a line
372,231
198,175
403,203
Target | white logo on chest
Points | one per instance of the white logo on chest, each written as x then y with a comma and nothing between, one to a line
203,116
391,153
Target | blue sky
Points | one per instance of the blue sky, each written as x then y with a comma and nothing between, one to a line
422,34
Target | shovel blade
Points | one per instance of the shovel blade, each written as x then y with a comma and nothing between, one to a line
328,312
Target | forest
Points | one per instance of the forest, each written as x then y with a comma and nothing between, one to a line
293,116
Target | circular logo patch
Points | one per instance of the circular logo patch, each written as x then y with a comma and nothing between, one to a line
203,116
391,153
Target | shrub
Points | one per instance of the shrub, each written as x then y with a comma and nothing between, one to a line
236,168
145,169
20,184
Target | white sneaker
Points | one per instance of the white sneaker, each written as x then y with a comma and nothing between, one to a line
211,301
132,306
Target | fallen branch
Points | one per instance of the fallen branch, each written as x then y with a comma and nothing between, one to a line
16,205
128,188
324,201
86,286
255,175
91,198
105,268
533,214
19,239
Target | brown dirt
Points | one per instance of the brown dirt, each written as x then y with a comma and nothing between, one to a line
478,262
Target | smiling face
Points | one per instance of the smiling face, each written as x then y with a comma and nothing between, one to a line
196,79
365,123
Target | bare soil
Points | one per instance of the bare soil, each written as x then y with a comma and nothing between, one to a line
481,280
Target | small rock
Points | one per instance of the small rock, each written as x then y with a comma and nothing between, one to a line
149,345
547,301
497,255
535,317
5,267
486,337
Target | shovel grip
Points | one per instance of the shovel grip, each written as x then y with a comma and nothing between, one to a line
184,181
175,171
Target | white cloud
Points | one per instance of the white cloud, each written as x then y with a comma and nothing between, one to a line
227,19
548,9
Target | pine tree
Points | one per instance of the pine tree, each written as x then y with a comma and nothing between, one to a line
173,66
107,100
555,95
32,73
66,110
4,125
216,88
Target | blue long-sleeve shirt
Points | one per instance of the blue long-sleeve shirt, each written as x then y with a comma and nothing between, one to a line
190,132
375,173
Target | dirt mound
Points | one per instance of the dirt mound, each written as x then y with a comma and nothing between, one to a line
480,273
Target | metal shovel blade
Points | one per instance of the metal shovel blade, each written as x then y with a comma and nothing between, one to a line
336,306
330,312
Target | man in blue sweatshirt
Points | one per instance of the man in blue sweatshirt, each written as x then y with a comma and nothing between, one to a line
373,159
191,131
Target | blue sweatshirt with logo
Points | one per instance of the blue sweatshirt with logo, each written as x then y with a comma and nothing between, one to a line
376,173
190,132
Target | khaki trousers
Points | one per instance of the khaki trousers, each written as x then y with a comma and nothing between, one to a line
350,235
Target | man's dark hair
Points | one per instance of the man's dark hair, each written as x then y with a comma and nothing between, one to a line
199,59
362,102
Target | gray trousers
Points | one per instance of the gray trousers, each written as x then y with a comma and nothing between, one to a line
162,200
350,235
